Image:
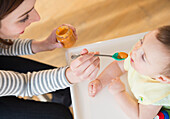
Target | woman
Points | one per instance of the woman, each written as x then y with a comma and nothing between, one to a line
23,77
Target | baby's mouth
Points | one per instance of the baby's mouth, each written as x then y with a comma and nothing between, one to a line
131,60
131,57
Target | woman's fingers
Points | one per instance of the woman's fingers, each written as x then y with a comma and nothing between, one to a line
93,69
84,51
70,26
88,66
59,45
80,60
94,73
73,28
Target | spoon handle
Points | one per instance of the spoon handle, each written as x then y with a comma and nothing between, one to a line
75,56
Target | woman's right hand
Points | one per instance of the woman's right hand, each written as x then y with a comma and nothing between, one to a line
84,67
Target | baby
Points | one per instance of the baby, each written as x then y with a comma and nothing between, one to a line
148,67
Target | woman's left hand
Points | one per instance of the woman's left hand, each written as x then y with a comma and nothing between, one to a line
51,41
116,86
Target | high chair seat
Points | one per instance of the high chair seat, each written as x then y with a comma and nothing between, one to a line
103,105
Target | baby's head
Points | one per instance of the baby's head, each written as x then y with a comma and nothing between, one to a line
151,55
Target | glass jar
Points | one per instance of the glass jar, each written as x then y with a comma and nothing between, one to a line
66,36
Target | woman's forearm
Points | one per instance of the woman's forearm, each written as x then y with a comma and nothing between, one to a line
38,46
34,83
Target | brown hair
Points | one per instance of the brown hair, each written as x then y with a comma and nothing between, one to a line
6,7
164,37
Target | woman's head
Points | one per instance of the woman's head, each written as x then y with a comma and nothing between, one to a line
15,16
151,55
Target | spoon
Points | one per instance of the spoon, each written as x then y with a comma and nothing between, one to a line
119,56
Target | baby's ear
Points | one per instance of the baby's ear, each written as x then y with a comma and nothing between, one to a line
163,79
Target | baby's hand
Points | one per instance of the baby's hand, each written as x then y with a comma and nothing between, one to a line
94,87
116,86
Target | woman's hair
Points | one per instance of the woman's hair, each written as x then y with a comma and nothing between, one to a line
6,7
164,37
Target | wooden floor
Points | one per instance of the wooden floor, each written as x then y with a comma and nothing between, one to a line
95,20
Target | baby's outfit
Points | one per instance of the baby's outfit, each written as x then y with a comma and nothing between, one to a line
145,89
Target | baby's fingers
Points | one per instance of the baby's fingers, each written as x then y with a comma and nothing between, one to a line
91,89
111,85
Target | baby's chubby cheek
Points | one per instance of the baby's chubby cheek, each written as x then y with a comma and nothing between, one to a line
135,67
138,68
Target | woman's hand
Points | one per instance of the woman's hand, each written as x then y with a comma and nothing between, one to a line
50,43
84,67
116,86
52,40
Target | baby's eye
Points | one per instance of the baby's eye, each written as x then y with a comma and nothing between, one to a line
141,41
143,57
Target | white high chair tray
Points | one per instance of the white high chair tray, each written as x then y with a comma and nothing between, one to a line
103,105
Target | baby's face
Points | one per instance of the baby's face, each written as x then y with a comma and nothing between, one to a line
149,56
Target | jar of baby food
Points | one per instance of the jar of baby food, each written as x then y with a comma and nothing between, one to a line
66,36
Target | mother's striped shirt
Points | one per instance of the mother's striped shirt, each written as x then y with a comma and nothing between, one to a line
29,84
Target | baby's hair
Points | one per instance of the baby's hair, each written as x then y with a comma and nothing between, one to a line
164,37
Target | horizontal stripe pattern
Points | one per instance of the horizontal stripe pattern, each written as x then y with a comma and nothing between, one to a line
19,47
35,83
29,84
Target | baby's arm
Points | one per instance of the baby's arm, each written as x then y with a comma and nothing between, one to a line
130,105
135,110
113,70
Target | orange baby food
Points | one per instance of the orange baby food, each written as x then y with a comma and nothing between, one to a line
122,55
65,36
